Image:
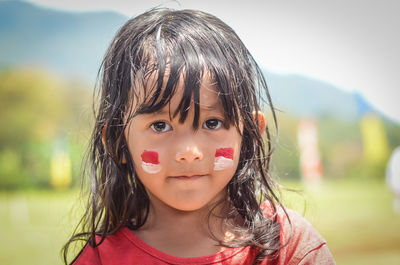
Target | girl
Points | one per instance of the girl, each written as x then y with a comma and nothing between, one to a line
179,168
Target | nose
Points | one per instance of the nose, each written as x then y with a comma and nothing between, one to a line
188,150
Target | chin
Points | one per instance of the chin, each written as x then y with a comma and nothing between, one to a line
188,206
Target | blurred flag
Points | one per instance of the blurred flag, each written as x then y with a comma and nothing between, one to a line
310,162
375,143
393,178
60,169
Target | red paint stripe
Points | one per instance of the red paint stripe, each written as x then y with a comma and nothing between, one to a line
150,157
225,152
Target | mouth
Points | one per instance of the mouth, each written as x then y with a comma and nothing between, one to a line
191,177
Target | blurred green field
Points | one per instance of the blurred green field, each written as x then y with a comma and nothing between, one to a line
355,218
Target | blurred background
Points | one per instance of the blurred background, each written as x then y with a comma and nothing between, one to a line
332,70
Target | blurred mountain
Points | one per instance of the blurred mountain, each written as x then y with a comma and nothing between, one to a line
73,44
304,96
69,42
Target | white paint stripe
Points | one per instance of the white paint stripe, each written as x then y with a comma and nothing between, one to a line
151,168
221,163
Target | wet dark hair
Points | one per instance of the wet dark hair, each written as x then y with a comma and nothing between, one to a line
188,44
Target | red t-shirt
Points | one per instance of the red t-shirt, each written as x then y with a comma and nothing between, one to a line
306,247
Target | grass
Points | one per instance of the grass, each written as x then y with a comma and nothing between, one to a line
355,218
34,226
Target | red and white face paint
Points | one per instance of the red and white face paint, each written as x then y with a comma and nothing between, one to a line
223,158
150,162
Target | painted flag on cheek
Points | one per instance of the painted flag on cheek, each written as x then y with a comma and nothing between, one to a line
150,163
223,158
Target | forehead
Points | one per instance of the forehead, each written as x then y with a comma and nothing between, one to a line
155,94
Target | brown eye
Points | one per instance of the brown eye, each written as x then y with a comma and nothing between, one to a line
212,124
160,127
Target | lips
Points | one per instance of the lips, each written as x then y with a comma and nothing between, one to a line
188,177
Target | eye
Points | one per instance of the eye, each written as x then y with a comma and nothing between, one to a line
160,127
212,124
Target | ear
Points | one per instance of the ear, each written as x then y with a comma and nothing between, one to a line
123,159
262,122
103,140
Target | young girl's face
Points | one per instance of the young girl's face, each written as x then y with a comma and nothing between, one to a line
181,167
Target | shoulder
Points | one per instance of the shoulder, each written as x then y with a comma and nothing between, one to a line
88,256
105,252
301,242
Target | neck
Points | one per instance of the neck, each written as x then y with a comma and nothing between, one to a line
184,233
198,222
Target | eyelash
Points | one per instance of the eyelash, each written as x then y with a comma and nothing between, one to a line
219,124
152,126
169,127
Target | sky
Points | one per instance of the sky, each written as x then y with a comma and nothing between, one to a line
353,44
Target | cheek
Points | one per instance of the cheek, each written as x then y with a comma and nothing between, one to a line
224,158
150,162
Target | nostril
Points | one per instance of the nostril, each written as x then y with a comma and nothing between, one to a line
189,155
